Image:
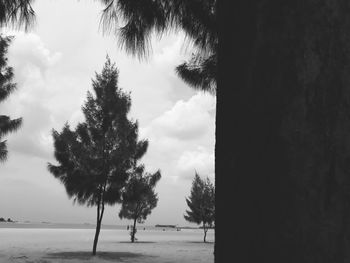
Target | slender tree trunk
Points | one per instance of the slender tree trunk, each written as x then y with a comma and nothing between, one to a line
133,231
98,227
205,233
97,232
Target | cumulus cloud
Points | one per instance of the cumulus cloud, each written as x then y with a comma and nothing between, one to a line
186,120
33,138
153,83
182,138
28,52
167,55
31,61
200,160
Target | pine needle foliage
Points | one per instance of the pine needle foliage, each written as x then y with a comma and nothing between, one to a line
7,125
141,18
17,14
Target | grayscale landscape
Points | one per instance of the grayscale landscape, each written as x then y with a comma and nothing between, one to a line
107,131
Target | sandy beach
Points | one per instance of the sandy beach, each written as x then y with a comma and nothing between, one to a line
49,245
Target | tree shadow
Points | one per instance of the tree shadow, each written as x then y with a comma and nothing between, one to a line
143,242
200,242
86,255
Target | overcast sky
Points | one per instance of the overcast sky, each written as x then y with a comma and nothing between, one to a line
53,65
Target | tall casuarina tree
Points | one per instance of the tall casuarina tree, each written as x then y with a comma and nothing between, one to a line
96,159
7,125
201,203
139,198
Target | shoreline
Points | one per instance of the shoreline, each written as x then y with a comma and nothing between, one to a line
50,225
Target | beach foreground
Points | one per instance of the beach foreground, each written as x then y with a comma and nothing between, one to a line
42,245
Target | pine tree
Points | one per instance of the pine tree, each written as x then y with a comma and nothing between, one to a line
139,198
201,203
96,159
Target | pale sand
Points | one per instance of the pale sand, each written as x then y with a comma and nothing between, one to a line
29,245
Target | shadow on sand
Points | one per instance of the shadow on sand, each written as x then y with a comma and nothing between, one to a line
86,255
141,242
197,242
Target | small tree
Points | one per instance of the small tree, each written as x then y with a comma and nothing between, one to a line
201,203
96,159
139,197
7,124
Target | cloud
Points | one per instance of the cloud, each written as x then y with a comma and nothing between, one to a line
186,120
169,52
154,84
28,51
31,61
34,137
182,138
200,160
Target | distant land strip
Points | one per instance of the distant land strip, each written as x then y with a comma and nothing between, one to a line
173,226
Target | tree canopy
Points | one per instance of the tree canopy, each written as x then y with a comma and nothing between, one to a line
96,159
7,124
142,18
17,13
139,198
201,203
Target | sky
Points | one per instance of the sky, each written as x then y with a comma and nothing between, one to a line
54,64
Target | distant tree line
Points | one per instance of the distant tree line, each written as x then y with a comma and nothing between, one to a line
4,220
